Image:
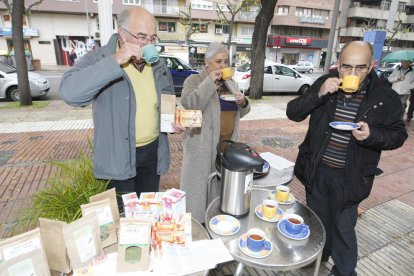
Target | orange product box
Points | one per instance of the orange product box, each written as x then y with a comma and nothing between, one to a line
188,118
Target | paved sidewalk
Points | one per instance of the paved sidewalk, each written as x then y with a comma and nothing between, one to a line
28,139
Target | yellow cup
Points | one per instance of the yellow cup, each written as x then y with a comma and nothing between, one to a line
350,84
227,73
282,193
269,208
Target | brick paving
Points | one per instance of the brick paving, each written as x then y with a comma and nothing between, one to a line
25,155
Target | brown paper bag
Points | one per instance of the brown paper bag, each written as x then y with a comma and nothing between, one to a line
83,240
54,243
167,112
23,255
106,222
114,205
134,245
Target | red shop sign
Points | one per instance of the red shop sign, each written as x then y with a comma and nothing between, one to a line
298,41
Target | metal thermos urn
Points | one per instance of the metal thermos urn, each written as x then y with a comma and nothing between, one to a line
238,161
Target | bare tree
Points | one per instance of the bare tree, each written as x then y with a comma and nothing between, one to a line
398,28
192,26
259,39
18,10
233,8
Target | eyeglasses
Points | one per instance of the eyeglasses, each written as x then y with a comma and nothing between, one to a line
143,38
361,68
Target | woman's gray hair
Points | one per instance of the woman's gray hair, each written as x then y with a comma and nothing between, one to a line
215,48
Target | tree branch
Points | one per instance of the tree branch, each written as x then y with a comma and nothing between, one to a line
28,9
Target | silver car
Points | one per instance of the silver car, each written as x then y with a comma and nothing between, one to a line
39,85
303,67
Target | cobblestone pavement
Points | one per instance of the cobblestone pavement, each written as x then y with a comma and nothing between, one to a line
29,139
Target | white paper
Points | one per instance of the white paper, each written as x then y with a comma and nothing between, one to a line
277,162
134,234
21,248
198,256
24,267
84,243
166,121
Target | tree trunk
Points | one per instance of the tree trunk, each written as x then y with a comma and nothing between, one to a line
18,45
259,39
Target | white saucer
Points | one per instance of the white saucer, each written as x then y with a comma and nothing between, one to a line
301,236
228,98
344,125
254,254
224,225
259,213
291,198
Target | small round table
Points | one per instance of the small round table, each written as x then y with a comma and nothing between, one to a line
287,254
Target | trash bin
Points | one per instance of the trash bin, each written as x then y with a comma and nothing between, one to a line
36,64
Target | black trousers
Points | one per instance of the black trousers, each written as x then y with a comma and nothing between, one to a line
146,180
326,200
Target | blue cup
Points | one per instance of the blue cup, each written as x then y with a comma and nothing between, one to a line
294,224
150,53
256,240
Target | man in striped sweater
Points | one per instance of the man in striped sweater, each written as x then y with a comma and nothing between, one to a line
337,167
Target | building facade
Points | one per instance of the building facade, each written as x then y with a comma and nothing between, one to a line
299,30
395,17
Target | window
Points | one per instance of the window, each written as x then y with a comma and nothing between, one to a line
222,7
283,10
202,28
6,20
131,2
303,12
166,27
268,70
202,5
320,14
221,29
286,71
247,30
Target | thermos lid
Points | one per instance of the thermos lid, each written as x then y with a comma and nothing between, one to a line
240,157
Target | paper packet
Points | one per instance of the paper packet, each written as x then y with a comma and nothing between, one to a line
23,255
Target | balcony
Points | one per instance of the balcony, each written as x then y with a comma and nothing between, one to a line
352,31
368,12
247,16
408,36
162,9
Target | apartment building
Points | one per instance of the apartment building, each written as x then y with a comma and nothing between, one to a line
299,31
56,27
396,17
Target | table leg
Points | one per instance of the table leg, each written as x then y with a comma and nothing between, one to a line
239,270
317,265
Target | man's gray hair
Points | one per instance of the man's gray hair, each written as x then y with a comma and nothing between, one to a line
215,48
123,18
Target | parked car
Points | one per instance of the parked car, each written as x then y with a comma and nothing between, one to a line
277,78
179,69
303,67
39,85
389,66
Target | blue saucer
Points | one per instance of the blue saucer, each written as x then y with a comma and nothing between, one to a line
301,236
254,254
344,125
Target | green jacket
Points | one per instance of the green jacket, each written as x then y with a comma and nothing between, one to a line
97,78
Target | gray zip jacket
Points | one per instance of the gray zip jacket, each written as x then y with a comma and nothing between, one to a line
97,78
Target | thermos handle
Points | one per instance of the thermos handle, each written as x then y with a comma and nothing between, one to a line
220,153
209,181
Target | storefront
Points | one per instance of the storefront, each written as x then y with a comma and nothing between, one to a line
290,50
